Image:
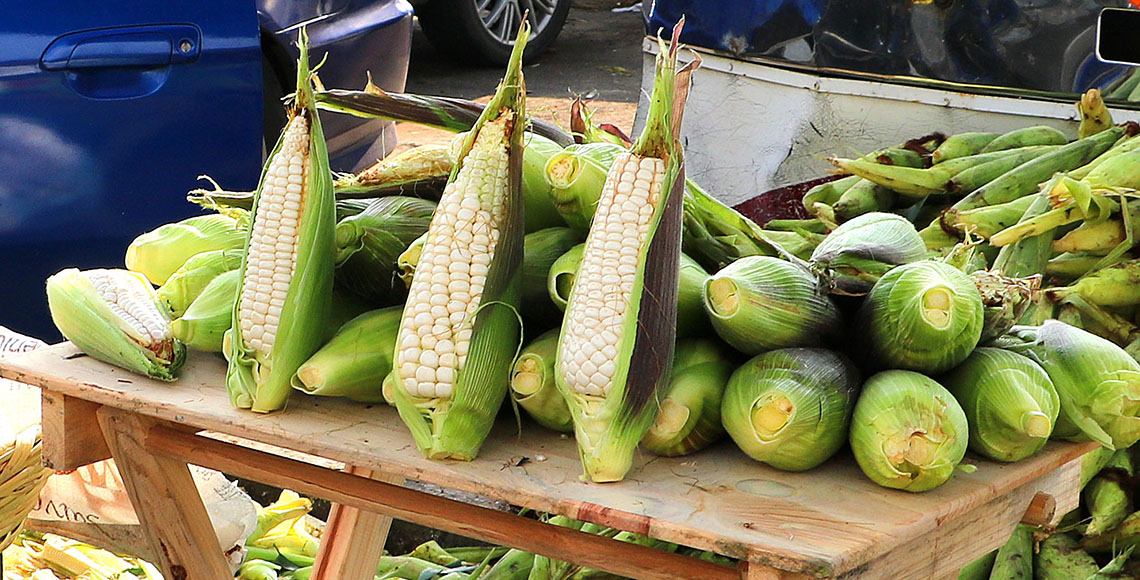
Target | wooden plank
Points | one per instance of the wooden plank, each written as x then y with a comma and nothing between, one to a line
71,432
754,571
437,512
118,538
354,539
166,500
823,523
961,540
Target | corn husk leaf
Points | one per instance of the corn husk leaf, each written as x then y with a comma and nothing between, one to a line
354,362
369,244
689,417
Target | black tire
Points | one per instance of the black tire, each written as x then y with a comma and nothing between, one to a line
455,27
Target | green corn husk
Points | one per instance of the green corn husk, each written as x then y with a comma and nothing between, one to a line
829,192
533,386
1070,266
1116,285
453,424
514,565
1108,497
609,424
986,221
925,316
861,198
406,261
1025,137
1004,300
160,252
403,173
760,303
1024,179
354,362
813,225
261,381
577,176
791,408
1097,381
1116,568
961,145
98,327
860,251
369,244
1010,403
1027,257
537,191
258,570
1124,536
978,569
1092,462
689,417
1014,560
541,250
1059,557
204,324
907,431
691,317
186,283
1094,237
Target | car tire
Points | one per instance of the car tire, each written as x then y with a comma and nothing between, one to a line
457,28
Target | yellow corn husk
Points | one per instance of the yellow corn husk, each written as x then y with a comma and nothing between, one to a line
460,327
204,323
74,558
114,316
188,282
287,273
355,361
160,252
616,347
399,169
288,506
533,386
689,418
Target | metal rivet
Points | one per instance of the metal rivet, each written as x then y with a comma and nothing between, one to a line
186,46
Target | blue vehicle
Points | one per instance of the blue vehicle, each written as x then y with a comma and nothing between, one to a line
109,113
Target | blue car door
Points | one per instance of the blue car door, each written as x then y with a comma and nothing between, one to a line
108,113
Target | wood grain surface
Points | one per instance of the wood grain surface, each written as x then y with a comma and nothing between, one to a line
825,522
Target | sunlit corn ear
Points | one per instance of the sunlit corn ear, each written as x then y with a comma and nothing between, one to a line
616,346
204,323
186,283
160,252
114,316
532,384
287,275
460,328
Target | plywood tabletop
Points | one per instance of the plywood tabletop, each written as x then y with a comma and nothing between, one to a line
824,522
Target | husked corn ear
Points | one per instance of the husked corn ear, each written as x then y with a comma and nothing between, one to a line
447,287
285,293
454,348
616,346
604,285
114,316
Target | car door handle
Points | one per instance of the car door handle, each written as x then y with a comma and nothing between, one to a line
127,46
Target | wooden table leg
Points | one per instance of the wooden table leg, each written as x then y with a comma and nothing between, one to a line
166,500
353,541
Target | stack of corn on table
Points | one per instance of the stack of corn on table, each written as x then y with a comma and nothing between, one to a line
973,291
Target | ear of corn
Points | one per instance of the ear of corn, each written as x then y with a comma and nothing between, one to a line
354,362
204,323
616,346
533,386
536,187
853,257
460,327
159,253
398,171
790,408
541,250
577,176
369,244
190,280
689,418
114,316
279,317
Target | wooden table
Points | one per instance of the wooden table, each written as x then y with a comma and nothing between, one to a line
831,522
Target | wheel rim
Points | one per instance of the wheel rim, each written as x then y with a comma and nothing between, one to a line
502,18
